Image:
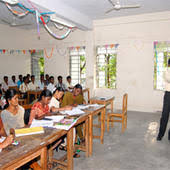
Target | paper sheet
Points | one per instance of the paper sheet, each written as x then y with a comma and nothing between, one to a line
42,123
1,140
55,118
74,111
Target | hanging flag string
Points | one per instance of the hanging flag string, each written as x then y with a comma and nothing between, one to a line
45,52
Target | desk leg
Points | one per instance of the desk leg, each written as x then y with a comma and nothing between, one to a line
44,158
70,149
90,134
87,137
102,125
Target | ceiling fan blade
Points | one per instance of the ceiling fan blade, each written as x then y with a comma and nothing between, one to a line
109,10
130,6
112,2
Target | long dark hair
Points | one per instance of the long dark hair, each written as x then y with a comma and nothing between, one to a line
58,89
45,93
9,94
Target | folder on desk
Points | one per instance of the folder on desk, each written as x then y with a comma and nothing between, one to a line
28,131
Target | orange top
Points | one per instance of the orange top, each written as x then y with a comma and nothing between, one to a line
37,111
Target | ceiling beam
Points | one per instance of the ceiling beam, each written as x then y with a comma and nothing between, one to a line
66,12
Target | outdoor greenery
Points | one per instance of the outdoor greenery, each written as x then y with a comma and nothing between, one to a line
109,69
41,65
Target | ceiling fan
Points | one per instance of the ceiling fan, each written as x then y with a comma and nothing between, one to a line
117,6
13,23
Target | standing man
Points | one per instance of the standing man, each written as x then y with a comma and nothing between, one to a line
166,105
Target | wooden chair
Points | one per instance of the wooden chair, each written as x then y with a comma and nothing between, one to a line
14,87
22,102
87,91
27,108
120,117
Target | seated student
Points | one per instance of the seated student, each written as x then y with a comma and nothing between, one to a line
60,83
28,76
5,84
55,107
13,115
2,100
74,98
41,82
13,81
41,108
55,101
70,87
20,81
24,87
8,139
47,80
32,85
51,86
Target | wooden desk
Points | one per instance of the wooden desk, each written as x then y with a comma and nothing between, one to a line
36,93
14,157
104,101
33,146
92,112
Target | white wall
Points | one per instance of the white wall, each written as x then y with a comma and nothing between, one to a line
135,34
14,64
135,65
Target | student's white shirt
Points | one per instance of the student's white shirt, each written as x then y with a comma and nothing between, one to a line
5,86
68,86
167,79
54,103
51,87
32,86
23,88
12,83
41,85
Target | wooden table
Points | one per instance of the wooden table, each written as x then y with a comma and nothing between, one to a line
36,93
104,101
14,157
92,112
33,146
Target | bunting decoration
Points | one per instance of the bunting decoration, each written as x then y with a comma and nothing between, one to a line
41,18
6,51
45,53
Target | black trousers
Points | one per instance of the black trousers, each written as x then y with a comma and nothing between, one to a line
165,114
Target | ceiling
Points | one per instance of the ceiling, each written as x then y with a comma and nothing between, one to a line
83,12
96,9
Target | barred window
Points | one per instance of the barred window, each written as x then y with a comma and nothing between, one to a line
37,64
161,56
78,65
106,66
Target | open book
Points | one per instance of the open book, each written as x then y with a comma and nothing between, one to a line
28,131
65,124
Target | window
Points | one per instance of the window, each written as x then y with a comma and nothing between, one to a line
78,65
161,56
106,66
37,63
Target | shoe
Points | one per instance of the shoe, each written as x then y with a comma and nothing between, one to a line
159,138
169,135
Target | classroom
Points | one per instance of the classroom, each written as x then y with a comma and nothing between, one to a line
102,65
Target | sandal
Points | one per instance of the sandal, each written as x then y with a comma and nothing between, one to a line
63,148
76,155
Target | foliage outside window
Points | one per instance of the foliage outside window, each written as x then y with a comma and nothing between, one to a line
37,63
161,56
106,66
78,65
